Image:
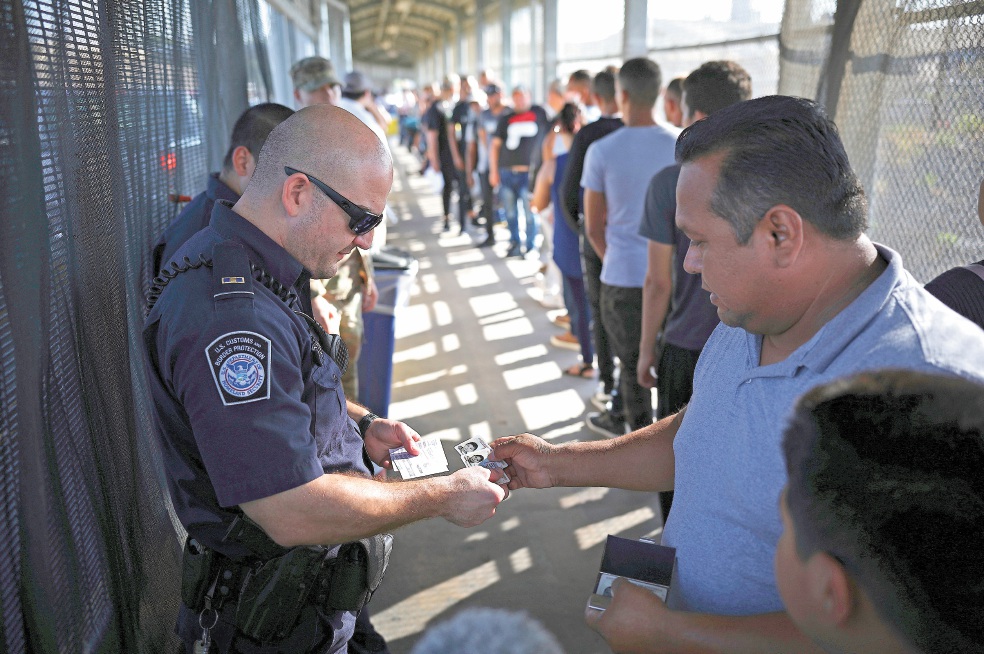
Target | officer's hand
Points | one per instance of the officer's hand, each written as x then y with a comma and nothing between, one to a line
370,297
472,497
635,621
527,456
384,434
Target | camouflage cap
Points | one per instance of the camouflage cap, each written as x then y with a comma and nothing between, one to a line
311,73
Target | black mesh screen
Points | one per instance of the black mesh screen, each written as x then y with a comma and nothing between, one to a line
101,127
904,80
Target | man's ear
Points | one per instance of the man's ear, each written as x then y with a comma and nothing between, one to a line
296,195
831,589
242,161
785,233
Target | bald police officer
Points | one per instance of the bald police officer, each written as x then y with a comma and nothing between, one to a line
265,458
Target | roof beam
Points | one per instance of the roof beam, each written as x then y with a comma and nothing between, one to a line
368,33
436,6
435,26
383,15
370,9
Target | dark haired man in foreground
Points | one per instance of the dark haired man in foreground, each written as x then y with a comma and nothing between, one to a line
776,220
884,515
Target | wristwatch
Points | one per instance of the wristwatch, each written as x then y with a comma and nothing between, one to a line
364,423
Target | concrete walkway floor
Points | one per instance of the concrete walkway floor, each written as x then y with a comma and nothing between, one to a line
473,358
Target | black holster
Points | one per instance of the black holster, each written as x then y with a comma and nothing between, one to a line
274,588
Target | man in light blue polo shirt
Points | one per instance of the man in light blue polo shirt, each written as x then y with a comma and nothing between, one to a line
617,170
776,220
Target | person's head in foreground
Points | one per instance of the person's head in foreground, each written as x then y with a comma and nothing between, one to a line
770,203
489,631
884,514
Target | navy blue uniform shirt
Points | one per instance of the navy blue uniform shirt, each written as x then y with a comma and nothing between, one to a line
245,410
193,218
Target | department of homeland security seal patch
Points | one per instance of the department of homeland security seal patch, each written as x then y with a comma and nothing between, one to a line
240,365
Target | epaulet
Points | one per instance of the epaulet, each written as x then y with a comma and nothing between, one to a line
232,276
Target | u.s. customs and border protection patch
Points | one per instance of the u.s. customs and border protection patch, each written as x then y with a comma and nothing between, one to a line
240,365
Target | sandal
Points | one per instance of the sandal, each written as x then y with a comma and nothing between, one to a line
582,370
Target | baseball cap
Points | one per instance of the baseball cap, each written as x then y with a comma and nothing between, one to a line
492,88
311,73
356,82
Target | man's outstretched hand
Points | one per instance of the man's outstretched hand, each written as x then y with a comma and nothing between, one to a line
528,457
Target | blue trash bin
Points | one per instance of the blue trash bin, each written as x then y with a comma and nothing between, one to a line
395,271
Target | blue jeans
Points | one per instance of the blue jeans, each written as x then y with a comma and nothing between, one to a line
576,301
513,189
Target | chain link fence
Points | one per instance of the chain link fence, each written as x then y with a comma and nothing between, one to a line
107,111
904,80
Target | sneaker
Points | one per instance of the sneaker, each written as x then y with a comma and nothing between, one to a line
515,250
600,400
567,340
532,254
488,242
604,424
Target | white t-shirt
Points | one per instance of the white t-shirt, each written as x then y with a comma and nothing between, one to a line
360,112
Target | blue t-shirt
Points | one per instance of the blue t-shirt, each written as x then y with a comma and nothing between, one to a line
620,165
729,465
692,317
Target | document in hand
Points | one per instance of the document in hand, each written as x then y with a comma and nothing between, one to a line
641,562
430,461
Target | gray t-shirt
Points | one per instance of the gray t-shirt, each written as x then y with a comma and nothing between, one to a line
692,317
620,165
729,464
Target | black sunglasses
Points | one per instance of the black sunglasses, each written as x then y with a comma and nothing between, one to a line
362,221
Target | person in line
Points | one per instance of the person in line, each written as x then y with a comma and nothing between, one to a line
248,136
685,328
580,92
485,128
962,288
338,303
315,82
459,124
883,515
441,152
673,102
556,98
517,135
264,455
356,98
476,156
566,252
571,210
617,172
776,219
